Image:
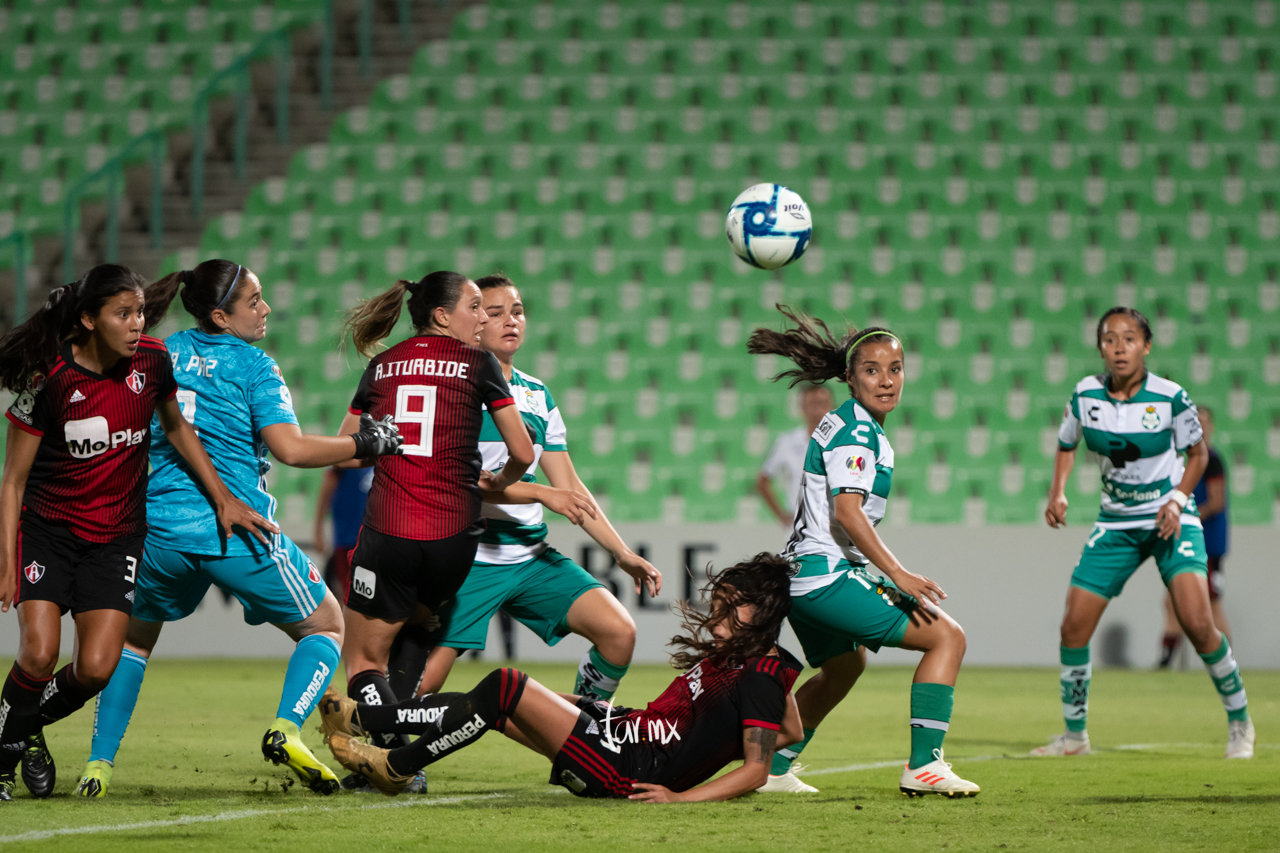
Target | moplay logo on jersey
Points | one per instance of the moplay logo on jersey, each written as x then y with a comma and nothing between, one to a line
136,381
91,436
33,571
363,582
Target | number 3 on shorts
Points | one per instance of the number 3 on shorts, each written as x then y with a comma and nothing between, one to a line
131,565
1094,537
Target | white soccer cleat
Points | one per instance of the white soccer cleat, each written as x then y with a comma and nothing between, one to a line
1067,743
787,783
936,777
1240,737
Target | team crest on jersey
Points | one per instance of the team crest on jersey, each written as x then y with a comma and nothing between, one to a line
33,571
1150,420
136,381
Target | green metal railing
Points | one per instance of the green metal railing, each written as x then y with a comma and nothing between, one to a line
112,172
277,44
18,240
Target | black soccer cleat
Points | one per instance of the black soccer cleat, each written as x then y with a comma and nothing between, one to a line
7,783
38,770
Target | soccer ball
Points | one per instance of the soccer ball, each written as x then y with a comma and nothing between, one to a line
768,226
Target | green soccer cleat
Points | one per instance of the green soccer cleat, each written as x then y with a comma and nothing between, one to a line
95,779
282,747
38,770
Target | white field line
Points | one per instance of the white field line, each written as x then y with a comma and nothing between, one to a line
241,814
879,765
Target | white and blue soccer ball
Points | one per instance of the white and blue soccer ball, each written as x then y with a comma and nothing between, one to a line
769,226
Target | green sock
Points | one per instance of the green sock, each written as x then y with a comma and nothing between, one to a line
597,677
930,718
1077,672
783,758
1225,673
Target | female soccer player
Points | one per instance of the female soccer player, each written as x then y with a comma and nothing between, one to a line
235,397
72,516
515,568
421,521
839,602
732,702
1138,424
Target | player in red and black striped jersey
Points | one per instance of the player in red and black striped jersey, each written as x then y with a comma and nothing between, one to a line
72,497
421,523
733,702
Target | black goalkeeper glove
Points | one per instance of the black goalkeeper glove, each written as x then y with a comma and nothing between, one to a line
376,438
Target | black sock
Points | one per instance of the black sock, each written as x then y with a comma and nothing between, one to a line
407,660
19,713
63,697
462,719
372,688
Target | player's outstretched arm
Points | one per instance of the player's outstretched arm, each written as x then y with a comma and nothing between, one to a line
758,745
231,511
288,443
558,467
19,454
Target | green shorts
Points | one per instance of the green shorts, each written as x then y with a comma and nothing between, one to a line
1110,557
843,615
538,593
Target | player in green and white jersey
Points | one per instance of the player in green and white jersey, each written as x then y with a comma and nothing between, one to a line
850,592
1138,425
515,568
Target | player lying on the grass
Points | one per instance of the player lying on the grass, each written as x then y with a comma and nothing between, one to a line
732,702
72,498
234,395
851,592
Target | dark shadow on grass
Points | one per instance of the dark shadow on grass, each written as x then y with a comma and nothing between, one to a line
1130,799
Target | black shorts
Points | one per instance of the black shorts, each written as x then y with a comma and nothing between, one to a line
56,565
391,576
591,767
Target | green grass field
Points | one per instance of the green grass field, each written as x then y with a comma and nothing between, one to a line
190,776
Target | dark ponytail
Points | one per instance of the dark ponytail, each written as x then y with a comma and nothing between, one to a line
372,320
816,352
208,287
32,347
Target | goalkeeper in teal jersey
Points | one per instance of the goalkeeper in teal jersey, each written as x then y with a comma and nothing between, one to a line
234,395
515,568
850,592
1138,425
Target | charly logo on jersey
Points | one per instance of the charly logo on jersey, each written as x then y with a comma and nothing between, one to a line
1150,420
136,381
33,571
76,397
91,436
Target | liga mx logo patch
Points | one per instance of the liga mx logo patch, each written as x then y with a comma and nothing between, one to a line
136,381
33,571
